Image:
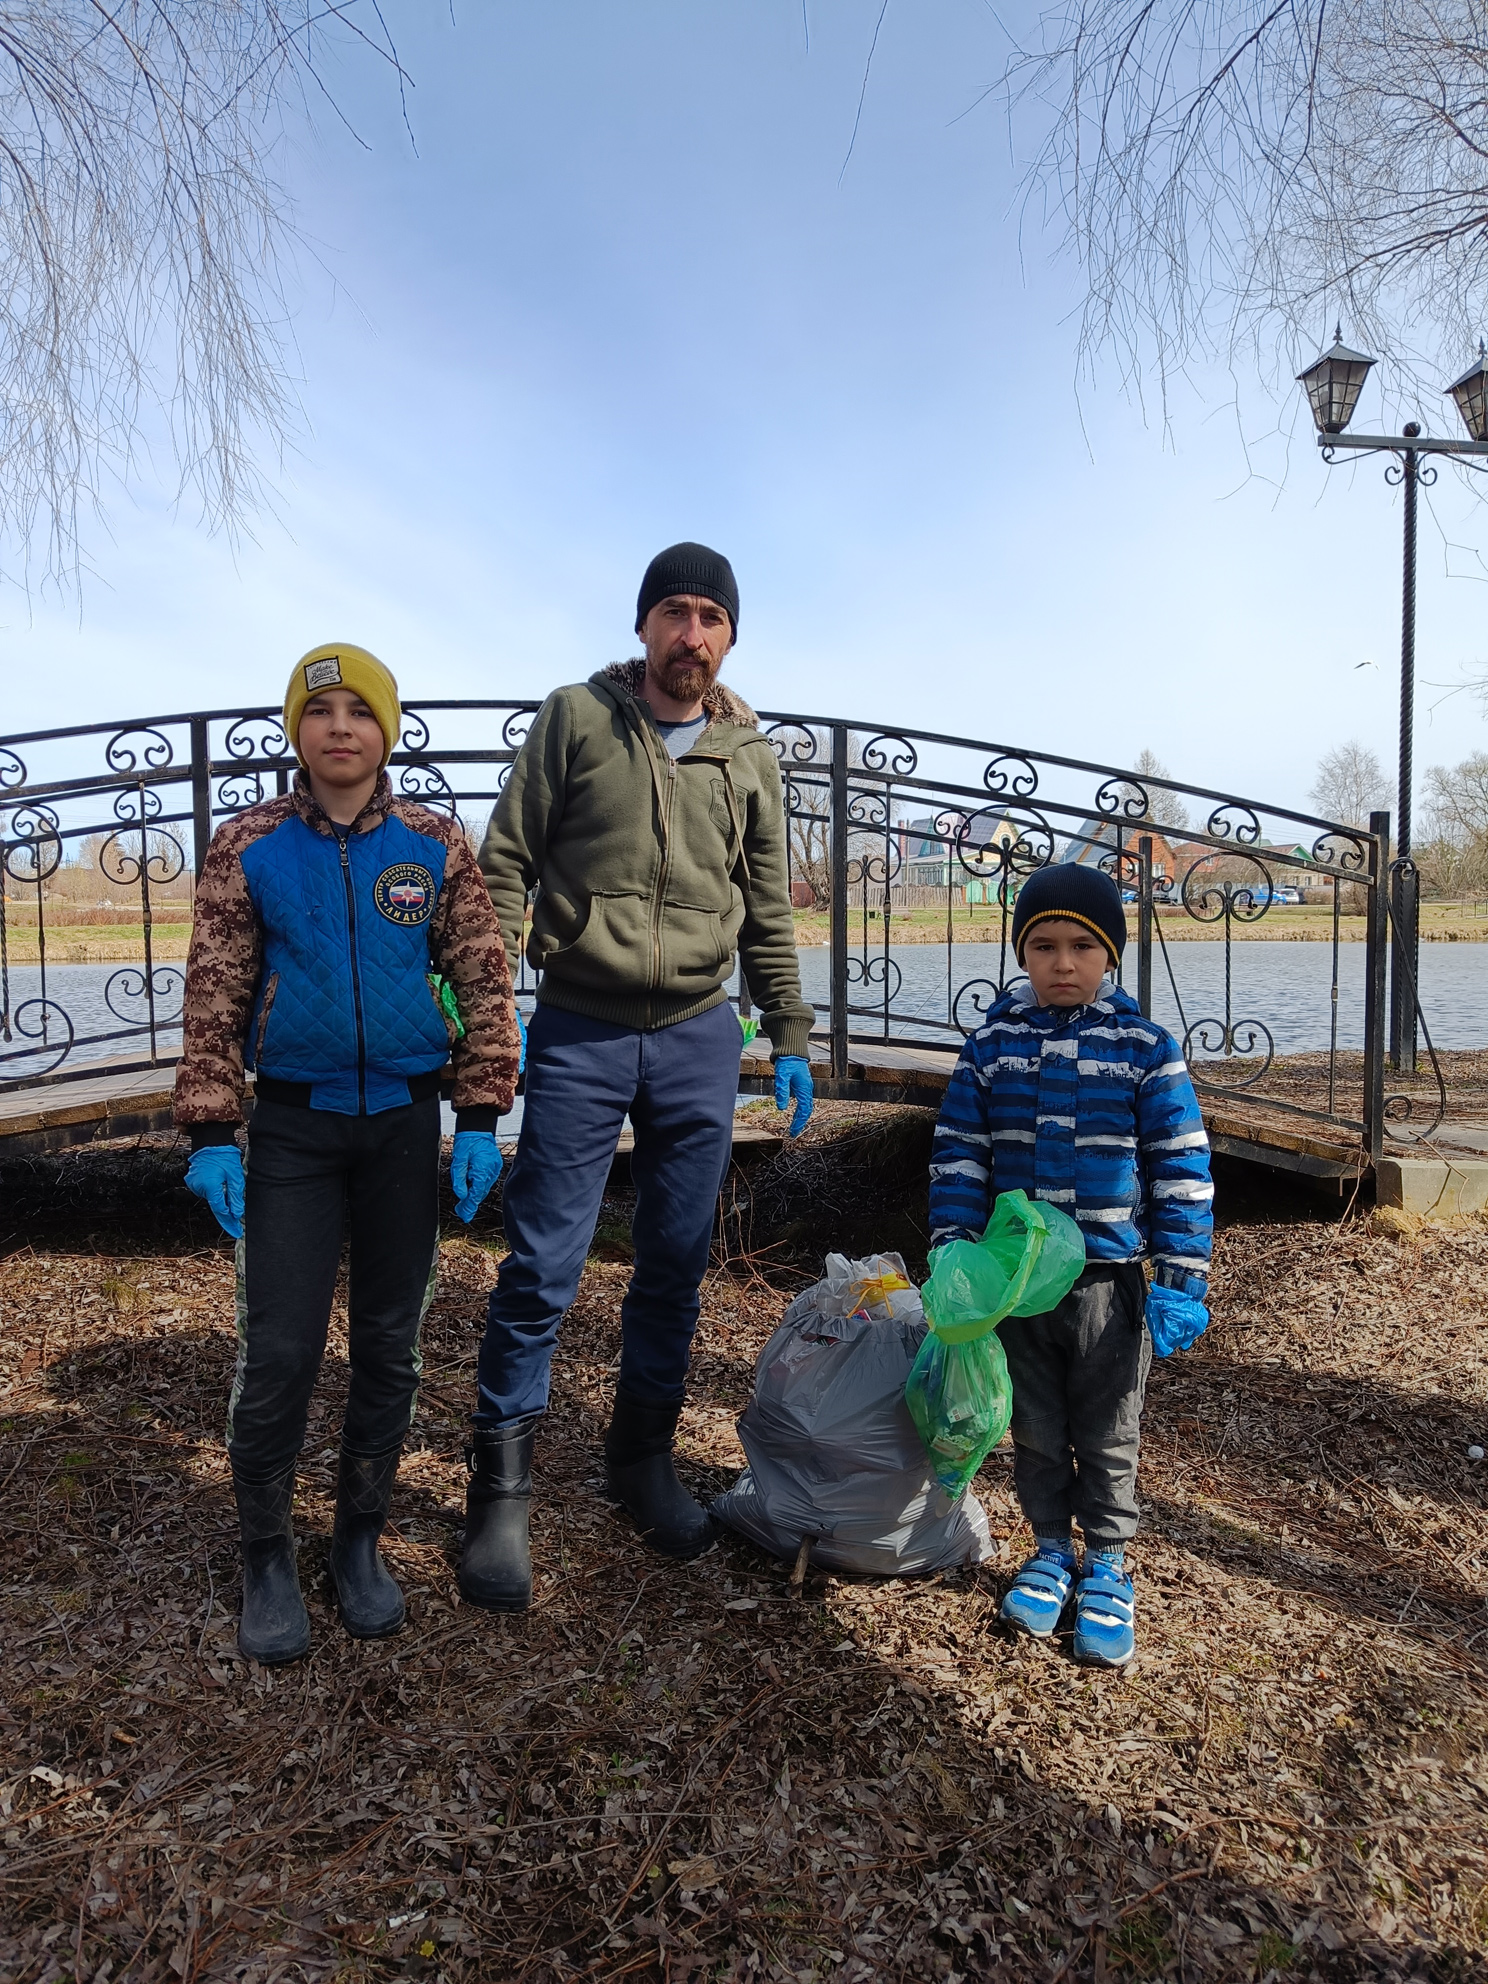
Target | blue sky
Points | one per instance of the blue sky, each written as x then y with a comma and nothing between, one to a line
619,290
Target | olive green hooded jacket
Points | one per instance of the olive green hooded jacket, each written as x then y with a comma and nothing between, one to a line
650,874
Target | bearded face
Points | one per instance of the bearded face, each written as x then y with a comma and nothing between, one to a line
686,639
684,671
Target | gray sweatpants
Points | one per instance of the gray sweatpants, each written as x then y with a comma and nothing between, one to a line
1079,1374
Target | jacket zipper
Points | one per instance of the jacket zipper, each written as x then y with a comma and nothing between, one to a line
342,841
666,863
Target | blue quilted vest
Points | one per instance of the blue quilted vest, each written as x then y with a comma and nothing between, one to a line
344,1001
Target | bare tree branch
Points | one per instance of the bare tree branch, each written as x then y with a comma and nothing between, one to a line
1238,173
142,240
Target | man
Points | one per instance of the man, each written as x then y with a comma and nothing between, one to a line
645,808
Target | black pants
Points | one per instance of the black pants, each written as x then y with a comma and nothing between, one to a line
311,1175
1079,1375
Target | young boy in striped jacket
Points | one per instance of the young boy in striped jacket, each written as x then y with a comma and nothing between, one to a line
1067,1093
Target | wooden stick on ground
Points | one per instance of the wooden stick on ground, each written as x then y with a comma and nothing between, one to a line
803,1559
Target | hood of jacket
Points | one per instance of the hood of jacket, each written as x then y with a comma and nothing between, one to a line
1019,999
731,721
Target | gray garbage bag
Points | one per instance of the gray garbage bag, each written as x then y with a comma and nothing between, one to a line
833,1453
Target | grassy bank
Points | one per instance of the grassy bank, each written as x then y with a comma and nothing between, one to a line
1448,923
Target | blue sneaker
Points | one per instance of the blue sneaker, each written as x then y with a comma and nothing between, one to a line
1039,1593
1105,1616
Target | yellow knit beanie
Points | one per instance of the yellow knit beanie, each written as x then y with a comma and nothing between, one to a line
339,665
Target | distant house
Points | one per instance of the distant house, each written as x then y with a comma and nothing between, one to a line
1287,866
1096,841
931,857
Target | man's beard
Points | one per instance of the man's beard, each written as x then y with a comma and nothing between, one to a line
685,675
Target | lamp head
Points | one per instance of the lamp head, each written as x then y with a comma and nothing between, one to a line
1471,394
1333,384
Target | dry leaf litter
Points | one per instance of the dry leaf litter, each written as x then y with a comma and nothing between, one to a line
683,1771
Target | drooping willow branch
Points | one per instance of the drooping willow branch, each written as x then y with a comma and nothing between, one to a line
142,238
1236,170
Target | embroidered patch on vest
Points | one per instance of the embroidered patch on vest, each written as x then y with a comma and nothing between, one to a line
322,674
405,893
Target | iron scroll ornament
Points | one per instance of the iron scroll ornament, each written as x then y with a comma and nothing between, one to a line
165,982
793,743
1123,799
31,841
877,970
1337,849
876,870
257,737
31,1020
157,860
12,769
514,730
138,747
136,804
1225,899
1425,473
428,784
1032,844
980,994
868,809
238,791
1234,821
252,739
415,732
893,756
1009,776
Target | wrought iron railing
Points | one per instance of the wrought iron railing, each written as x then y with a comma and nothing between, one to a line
877,818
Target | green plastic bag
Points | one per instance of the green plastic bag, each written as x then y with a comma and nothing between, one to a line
959,1393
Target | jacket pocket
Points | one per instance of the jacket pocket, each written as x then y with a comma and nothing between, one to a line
607,948
264,1010
695,947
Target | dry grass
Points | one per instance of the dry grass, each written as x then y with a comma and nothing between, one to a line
678,1772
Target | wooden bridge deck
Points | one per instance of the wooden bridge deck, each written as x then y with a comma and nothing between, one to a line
108,1104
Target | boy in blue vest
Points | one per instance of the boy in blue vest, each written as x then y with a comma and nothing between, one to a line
345,948
1067,1093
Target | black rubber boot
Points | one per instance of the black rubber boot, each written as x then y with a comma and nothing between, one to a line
496,1562
639,1473
274,1625
371,1603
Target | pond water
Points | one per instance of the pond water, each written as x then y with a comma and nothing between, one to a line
1283,985
1286,986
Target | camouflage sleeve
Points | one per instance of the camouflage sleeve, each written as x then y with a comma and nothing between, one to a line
222,971
466,945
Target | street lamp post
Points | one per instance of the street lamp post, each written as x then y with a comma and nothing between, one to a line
1333,384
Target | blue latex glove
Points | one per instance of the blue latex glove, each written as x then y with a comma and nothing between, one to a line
522,1051
793,1084
215,1174
1174,1320
475,1165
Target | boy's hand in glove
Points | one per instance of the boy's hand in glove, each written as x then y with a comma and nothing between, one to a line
475,1165
215,1174
793,1084
1174,1320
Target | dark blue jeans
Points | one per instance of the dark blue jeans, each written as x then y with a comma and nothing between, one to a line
679,1085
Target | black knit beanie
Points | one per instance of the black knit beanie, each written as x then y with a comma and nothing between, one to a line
1083,895
689,568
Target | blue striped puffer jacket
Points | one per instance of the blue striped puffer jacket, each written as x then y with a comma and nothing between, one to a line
1091,1109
